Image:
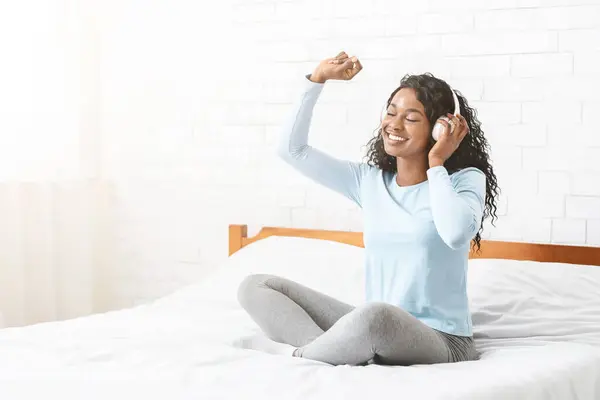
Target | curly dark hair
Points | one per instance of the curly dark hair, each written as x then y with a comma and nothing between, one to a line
436,97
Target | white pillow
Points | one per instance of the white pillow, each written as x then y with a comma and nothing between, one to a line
555,301
333,268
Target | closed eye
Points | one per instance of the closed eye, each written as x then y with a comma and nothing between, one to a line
408,119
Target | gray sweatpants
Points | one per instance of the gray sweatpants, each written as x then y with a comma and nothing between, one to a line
328,330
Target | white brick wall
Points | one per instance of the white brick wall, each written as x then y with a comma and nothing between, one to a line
191,117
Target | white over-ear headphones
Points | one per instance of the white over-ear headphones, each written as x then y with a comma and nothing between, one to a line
439,127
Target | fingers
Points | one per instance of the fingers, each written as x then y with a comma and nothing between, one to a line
454,122
339,59
347,66
357,65
351,67
465,127
458,126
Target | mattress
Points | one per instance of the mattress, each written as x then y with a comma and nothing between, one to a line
537,326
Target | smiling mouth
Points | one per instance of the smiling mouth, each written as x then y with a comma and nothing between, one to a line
396,138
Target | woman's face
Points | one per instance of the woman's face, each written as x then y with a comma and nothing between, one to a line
405,127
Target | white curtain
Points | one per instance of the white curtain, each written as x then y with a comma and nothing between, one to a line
55,246
55,210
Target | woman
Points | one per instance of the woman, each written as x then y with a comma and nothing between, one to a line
423,203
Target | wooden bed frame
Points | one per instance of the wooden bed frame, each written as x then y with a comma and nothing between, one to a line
584,255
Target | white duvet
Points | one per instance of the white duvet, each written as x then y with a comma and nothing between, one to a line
536,325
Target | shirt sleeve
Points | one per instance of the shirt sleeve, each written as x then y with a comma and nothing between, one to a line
341,176
457,203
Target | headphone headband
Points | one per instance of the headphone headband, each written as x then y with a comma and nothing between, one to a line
456,102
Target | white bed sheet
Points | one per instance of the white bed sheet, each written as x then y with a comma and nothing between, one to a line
181,346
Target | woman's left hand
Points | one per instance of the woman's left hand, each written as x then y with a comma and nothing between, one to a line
449,139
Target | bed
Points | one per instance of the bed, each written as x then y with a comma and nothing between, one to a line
536,316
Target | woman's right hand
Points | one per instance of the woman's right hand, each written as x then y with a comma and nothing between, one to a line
340,67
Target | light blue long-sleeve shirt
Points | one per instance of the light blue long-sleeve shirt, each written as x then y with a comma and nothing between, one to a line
416,237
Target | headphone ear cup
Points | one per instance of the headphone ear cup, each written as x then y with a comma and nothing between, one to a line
437,131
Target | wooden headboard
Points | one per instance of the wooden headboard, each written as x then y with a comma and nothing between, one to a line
238,238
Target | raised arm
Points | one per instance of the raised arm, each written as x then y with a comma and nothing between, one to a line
457,204
341,176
